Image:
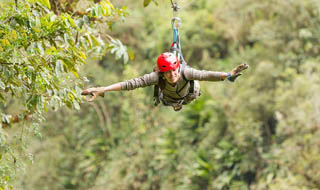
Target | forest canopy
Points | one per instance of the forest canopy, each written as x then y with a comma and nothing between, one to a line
257,133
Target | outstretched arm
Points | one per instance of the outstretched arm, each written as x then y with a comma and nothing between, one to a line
140,82
194,74
99,91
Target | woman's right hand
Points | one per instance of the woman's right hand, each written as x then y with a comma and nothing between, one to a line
94,92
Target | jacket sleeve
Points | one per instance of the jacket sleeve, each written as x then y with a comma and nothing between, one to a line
140,82
202,75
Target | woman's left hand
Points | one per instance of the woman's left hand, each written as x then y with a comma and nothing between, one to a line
232,76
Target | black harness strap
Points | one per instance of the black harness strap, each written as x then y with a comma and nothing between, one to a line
156,98
191,88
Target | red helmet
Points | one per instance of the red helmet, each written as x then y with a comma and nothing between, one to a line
167,62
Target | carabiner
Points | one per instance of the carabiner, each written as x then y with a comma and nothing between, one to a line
175,25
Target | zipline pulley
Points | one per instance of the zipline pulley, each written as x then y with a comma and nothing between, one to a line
175,6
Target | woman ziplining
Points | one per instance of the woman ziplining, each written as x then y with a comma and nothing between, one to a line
176,83
173,80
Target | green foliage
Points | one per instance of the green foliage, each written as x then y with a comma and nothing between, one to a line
38,48
147,2
40,55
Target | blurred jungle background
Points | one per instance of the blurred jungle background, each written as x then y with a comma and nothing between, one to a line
259,133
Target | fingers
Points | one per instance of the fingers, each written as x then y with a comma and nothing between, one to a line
86,92
94,95
239,68
244,66
91,92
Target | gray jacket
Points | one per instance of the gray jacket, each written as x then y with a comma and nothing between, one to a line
174,94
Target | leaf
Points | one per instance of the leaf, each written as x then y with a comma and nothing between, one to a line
109,3
68,63
86,19
76,105
93,13
31,1
203,163
59,67
66,38
80,23
70,96
94,40
6,118
202,173
78,90
75,74
45,3
146,2
119,50
82,55
125,58
88,39
2,85
53,18
2,99
69,105
131,54
71,21
100,11
106,7
156,2
41,48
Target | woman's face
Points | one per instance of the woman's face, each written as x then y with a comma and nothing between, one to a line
172,76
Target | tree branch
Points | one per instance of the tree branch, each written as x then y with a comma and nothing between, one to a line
2,63
16,119
54,6
6,63
106,116
100,116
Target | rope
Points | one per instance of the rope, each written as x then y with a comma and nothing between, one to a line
176,45
176,22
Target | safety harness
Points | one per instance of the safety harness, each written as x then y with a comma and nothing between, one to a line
175,49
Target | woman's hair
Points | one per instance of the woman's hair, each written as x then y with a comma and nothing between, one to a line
162,81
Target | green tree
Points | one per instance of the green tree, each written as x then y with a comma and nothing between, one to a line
41,44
